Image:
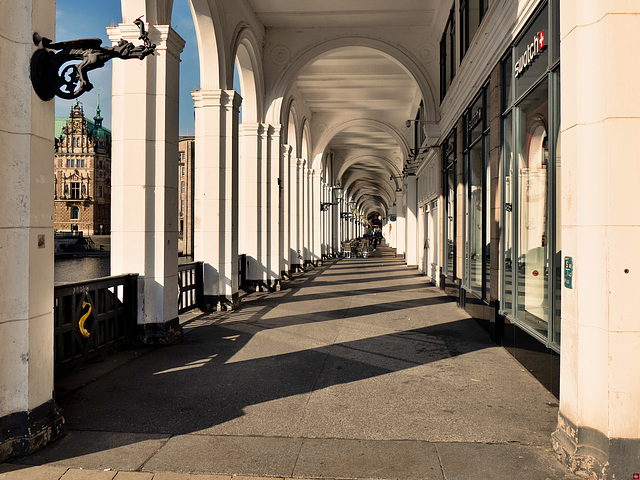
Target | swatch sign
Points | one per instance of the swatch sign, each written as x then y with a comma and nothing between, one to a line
531,52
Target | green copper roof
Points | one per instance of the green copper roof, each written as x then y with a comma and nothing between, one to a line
95,127
100,132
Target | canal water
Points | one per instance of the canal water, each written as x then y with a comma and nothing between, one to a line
80,269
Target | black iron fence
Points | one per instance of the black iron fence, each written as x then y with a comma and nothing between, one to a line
93,317
190,283
242,270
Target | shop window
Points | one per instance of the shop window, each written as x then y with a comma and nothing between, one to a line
75,213
507,222
477,199
448,54
449,177
531,248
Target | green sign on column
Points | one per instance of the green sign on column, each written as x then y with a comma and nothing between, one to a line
568,272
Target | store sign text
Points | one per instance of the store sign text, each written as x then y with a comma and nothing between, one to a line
532,51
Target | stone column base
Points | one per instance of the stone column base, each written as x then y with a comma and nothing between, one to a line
160,333
262,286
220,303
23,433
587,451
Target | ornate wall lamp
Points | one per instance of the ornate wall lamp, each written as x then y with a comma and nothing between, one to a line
53,72
338,194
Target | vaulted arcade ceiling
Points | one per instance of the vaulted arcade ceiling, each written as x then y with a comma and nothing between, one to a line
351,83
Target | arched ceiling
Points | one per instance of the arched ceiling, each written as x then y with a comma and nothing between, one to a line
354,83
358,82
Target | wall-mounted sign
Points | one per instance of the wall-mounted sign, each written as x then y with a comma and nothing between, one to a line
568,272
531,52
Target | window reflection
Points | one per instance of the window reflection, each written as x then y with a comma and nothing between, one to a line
533,254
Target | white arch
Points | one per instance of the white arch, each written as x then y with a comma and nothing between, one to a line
354,185
382,161
292,129
305,147
249,62
362,122
413,67
209,30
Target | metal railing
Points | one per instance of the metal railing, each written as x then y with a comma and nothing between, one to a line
190,283
93,317
242,270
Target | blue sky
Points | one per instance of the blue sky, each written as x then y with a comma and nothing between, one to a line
82,19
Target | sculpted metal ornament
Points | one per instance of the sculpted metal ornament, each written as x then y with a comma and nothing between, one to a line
55,73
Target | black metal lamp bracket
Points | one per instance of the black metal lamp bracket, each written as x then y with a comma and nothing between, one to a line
60,69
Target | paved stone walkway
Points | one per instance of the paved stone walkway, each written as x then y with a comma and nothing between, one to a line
358,369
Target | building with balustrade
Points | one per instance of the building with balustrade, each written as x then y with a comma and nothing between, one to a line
496,139
82,174
186,162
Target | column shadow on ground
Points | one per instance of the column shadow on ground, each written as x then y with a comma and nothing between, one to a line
196,385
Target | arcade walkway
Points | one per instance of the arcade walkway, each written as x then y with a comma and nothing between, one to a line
356,369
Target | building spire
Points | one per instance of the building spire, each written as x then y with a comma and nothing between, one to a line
98,118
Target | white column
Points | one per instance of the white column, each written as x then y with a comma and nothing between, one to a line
308,216
317,243
274,199
28,414
263,205
300,204
285,209
336,231
294,202
411,221
251,189
216,194
144,178
422,261
400,223
599,421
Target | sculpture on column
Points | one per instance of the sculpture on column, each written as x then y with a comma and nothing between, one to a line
54,74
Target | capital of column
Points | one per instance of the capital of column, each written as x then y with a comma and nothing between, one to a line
216,98
300,162
286,150
273,130
252,128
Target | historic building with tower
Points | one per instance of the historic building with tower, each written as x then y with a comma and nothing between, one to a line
82,174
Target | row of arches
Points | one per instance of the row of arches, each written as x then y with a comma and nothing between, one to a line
310,117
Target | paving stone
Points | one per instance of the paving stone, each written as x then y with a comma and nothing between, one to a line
10,471
368,459
87,474
134,476
462,461
99,450
226,455
188,476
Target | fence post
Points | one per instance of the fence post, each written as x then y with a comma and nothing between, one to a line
131,301
200,286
